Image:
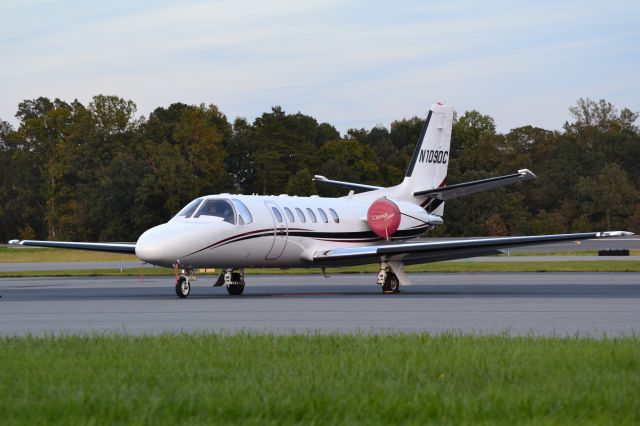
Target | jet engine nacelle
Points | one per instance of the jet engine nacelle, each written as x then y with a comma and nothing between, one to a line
384,216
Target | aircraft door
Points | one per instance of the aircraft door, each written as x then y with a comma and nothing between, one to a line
280,231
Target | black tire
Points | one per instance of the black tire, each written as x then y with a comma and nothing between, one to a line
183,287
391,284
235,289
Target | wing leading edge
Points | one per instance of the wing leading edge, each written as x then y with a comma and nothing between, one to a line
106,247
411,253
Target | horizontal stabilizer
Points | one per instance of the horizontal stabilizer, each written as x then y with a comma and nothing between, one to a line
358,186
468,188
106,247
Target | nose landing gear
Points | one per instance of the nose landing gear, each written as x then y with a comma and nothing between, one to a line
183,283
183,287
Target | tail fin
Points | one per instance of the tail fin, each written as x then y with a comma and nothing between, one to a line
428,167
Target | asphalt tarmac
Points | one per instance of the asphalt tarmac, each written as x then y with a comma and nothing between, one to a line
59,266
560,304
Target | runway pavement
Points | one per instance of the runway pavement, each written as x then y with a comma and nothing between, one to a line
593,304
57,266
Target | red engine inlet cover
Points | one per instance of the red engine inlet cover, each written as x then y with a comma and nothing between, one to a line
383,217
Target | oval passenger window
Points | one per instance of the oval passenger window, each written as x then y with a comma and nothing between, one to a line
312,215
336,219
289,214
323,215
277,214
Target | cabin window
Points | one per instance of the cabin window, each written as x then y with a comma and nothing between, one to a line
289,214
312,215
277,214
244,214
301,215
217,208
323,215
334,215
188,210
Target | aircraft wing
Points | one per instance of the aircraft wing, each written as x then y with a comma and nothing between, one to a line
107,247
425,252
461,189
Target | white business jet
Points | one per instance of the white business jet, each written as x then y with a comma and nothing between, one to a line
233,232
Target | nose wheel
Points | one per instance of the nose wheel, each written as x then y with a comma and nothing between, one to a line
183,286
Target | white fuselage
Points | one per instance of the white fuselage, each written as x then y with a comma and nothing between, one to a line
284,231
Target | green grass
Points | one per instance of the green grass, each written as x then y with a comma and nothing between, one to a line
313,379
471,267
33,255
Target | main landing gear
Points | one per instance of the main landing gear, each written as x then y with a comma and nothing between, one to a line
234,281
389,277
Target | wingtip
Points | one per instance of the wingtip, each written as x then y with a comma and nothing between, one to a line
614,234
527,174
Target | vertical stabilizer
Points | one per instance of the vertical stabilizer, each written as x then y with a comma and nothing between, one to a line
428,166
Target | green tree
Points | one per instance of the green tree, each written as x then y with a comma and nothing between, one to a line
347,160
97,172
301,184
405,134
239,149
184,164
609,194
282,144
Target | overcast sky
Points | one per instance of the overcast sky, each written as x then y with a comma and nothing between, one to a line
352,63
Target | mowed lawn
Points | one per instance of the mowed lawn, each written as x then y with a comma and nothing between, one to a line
315,379
35,255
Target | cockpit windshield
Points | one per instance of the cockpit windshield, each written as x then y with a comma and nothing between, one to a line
188,210
217,208
232,211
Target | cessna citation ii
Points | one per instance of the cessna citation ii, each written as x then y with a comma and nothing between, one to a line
232,232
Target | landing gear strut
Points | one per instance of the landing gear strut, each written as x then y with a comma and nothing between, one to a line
388,279
234,280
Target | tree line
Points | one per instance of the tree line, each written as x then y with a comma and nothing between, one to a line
96,172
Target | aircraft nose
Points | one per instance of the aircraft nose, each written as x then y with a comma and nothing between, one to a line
163,245
151,248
